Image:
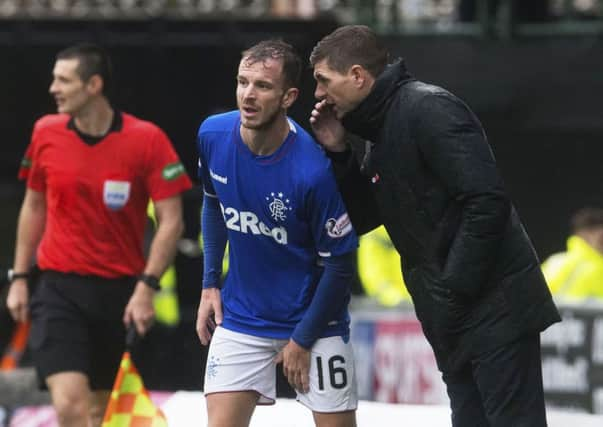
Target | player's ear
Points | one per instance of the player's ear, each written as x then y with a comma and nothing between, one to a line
95,84
358,74
289,97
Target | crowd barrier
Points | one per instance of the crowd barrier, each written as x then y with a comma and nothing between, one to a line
396,365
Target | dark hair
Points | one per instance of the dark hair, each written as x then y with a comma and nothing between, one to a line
587,218
277,49
350,45
92,60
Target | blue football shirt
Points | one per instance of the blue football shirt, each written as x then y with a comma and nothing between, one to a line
282,212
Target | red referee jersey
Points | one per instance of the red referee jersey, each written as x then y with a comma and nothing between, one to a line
97,195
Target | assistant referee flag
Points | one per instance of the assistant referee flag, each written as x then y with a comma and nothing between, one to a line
130,404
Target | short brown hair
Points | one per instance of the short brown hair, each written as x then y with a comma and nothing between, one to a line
93,59
586,219
349,45
277,49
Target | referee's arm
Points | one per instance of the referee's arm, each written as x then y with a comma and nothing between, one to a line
30,227
170,226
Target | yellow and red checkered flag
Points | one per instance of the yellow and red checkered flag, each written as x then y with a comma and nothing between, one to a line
130,404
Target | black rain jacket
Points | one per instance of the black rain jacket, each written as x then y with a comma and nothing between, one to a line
423,167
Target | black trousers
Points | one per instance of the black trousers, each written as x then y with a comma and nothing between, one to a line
501,388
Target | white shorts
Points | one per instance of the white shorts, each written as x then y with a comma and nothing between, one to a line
241,362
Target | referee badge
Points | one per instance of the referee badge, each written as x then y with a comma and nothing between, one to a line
116,194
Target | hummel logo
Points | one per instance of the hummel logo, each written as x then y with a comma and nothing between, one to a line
222,179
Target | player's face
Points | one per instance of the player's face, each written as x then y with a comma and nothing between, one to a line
67,87
261,94
337,89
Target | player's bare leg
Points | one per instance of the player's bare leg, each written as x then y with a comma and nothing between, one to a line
231,409
98,404
336,419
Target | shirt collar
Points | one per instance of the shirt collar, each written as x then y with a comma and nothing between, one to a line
116,124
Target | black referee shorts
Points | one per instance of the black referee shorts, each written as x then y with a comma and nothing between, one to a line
77,326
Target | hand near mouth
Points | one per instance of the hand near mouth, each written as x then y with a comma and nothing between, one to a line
327,128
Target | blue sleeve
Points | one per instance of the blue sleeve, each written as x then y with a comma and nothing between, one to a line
202,167
331,226
331,297
214,241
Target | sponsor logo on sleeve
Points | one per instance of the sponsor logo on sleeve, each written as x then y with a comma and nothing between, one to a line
172,171
116,194
221,179
339,227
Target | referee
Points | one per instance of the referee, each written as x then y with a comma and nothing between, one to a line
90,172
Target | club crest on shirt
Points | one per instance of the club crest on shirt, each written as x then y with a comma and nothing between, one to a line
279,205
339,227
116,194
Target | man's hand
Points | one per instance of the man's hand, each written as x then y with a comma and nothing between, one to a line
327,128
140,309
296,365
210,304
17,300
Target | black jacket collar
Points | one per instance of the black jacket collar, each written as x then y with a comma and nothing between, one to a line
367,118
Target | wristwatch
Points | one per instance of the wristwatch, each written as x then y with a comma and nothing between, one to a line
150,280
12,275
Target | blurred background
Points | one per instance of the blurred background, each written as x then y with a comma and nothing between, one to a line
531,70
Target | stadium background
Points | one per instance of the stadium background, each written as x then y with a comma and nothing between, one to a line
537,90
532,71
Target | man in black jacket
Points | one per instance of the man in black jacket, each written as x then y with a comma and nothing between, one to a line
415,158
